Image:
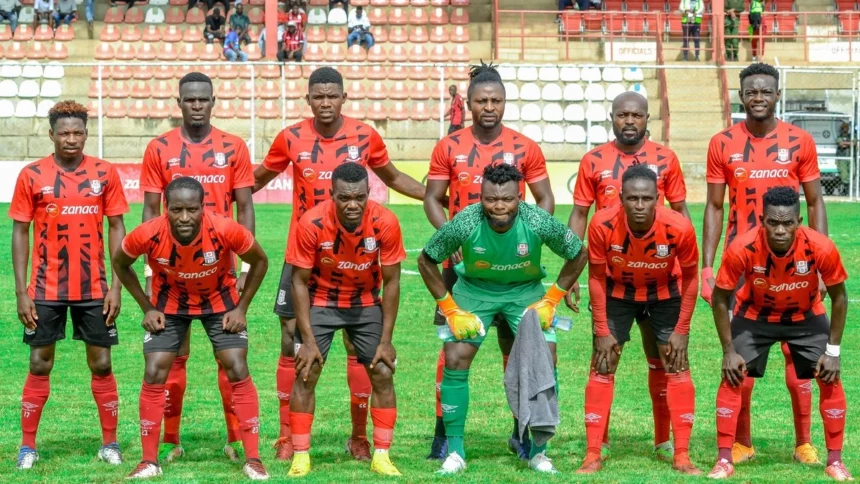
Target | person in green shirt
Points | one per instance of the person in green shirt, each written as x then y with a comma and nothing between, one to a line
500,273
691,23
240,23
733,10
756,30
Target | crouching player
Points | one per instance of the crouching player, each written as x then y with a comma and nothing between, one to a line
345,249
780,263
501,273
189,251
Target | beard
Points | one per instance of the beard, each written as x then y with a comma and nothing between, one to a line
629,141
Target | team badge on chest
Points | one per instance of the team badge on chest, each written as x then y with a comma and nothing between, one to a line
96,187
508,158
522,250
782,156
220,160
662,251
801,267
370,244
353,153
209,258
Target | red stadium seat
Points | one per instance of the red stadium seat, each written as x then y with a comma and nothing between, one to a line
65,33
380,34
377,91
420,73
121,73
227,71
397,54
336,53
377,112
159,110
146,52
176,113
114,15
439,54
460,53
676,29
418,17
195,16
460,34
613,5
306,112
143,73
419,91
125,51
354,109
614,22
270,90
140,90
211,52
439,17
336,35
24,33
842,5
420,112
419,3
164,72
172,34
178,3
315,34
786,24
398,73
459,3
163,90
398,112
115,109
572,21
460,73
292,90
44,33
268,110
377,16
253,51
227,90
130,33
850,24
188,52
168,52
418,54
377,73
15,51
57,51
355,72
397,16
192,34
376,54
439,35
439,3
398,91
788,5
398,35
255,15
399,3
460,16
134,16
210,70
106,72
380,3
640,6
314,53
593,21
246,88
355,89
5,32
93,92
635,23
103,52
118,90
356,54
292,71
418,35
269,71
175,16
184,69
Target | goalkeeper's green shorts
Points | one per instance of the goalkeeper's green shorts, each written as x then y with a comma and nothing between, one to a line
511,310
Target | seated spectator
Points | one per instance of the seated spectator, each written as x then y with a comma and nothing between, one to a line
303,5
128,4
44,11
232,48
66,11
210,4
215,26
262,40
240,22
9,11
297,16
359,29
293,44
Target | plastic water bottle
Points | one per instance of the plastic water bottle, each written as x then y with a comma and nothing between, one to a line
444,332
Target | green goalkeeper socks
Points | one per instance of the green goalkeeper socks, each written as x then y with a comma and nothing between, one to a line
455,406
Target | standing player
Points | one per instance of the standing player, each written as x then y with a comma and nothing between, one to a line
750,157
457,164
220,162
643,265
315,147
67,195
501,240
599,183
346,249
190,251
780,263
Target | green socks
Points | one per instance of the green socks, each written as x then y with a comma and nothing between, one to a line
536,449
455,406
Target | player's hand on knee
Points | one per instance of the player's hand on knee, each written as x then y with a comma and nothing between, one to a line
306,356
708,283
386,353
571,299
234,321
604,346
112,304
676,352
153,321
828,369
27,312
734,368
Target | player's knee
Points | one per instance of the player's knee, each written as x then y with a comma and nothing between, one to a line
454,360
41,366
382,378
156,369
100,365
235,366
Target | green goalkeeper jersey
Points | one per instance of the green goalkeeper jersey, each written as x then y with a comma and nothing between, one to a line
502,265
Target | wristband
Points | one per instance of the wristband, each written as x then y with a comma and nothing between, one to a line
147,271
707,272
245,267
832,350
555,293
447,304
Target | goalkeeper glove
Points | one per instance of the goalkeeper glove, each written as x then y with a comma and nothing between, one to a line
545,308
463,324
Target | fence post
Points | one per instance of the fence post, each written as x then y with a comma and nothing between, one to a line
101,114
283,98
442,102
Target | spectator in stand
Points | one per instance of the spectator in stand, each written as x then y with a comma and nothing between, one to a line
455,112
215,24
359,28
44,10
733,9
756,29
128,4
297,16
338,4
89,9
691,23
9,11
282,29
294,42
210,4
843,152
282,13
232,48
240,22
66,11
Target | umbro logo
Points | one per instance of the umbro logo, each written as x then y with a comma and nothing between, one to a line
146,423
29,407
253,422
361,395
449,408
688,417
111,405
283,396
806,387
835,412
724,412
592,418
243,335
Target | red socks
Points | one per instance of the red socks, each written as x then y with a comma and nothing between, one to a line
227,403
383,426
107,401
728,410
659,406
33,398
175,386
801,400
598,400
247,411
151,412
832,407
359,395
743,433
301,424
440,367
681,398
285,377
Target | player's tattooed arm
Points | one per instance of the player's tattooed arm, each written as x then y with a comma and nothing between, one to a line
828,368
308,352
385,352
400,182
20,256
733,367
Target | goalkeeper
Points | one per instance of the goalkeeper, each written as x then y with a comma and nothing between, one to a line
501,273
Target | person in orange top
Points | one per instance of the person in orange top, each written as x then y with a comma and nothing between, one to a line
781,262
749,158
190,251
643,266
314,148
66,196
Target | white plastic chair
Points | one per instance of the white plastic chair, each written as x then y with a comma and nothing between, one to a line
553,133
32,70
508,72
595,92
633,74
552,113
614,90
548,74
51,88
10,69
28,89
613,74
640,88
574,134
25,109
569,74
512,113
530,92
337,16
551,92
53,71
317,16
7,109
530,112
534,132
597,134
43,108
527,74
573,93
595,113
590,74
8,88
154,15
574,113
513,126
512,91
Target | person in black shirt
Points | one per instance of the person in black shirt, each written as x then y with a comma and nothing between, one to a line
215,26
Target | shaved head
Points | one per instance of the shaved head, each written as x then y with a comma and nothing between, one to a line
630,121
630,97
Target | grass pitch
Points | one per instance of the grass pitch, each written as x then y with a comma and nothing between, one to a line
69,435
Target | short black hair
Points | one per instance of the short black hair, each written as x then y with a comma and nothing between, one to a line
640,172
183,182
196,77
759,68
349,173
483,74
501,173
781,196
325,75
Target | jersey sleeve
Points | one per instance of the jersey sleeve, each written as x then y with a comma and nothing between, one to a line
583,190
114,197
151,179
22,208
391,249
278,157
134,244
453,233
687,251
715,172
243,172
378,156
554,234
830,266
731,268
238,238
534,165
676,189
302,253
440,163
808,164
596,242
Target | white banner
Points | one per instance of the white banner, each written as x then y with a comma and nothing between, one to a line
639,52
834,51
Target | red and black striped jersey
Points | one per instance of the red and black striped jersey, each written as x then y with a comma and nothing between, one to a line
346,267
67,209
194,279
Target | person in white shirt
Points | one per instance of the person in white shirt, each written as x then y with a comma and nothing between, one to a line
43,10
359,28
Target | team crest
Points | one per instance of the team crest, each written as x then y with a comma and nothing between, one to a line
782,155
662,250
654,169
370,244
353,153
508,158
96,187
209,258
802,267
220,160
522,250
